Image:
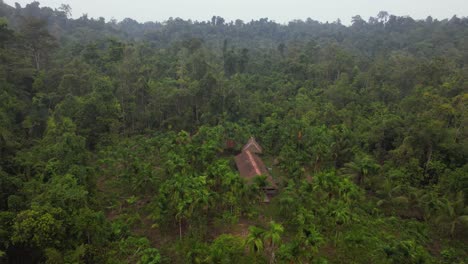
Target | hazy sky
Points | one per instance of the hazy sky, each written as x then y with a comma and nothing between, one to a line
278,10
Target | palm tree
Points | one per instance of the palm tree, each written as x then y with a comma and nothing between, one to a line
273,237
417,203
326,182
289,200
360,168
428,201
309,240
184,196
454,212
254,240
348,191
341,215
390,193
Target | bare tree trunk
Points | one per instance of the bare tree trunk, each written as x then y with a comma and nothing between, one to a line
272,258
180,229
37,58
123,113
429,157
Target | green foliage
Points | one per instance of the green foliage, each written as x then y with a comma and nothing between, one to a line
254,240
226,249
63,192
150,256
453,212
181,198
360,168
134,250
39,227
111,131
406,251
58,151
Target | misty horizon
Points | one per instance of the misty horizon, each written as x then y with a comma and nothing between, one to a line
204,10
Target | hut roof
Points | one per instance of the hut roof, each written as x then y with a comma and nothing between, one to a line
252,146
251,165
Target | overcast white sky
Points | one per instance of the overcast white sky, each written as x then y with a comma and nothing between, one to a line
278,10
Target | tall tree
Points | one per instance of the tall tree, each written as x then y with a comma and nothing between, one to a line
37,40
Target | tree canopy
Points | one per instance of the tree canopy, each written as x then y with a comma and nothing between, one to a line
117,139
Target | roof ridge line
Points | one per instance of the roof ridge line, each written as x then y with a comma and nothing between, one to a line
254,162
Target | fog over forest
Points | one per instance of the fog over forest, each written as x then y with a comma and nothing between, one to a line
280,11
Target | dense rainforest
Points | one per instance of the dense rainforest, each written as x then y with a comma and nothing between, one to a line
113,139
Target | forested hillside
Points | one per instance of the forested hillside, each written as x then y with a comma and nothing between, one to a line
117,139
